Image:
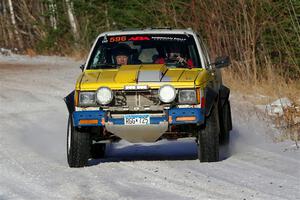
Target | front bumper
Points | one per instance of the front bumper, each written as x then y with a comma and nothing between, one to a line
174,116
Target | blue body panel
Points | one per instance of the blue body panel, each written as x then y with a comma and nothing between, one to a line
91,114
186,112
198,113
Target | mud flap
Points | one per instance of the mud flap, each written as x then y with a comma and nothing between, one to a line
230,118
224,94
224,98
69,100
210,99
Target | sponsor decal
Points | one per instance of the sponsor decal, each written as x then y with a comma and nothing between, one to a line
117,39
139,38
125,38
136,87
169,39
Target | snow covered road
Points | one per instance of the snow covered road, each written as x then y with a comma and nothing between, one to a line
33,151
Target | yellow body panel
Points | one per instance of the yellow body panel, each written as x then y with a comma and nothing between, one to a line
154,67
89,77
174,74
116,79
189,75
106,76
127,74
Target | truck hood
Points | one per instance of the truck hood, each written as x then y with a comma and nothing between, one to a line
153,75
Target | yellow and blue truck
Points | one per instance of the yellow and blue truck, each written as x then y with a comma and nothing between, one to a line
146,85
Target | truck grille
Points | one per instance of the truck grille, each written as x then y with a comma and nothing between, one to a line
136,98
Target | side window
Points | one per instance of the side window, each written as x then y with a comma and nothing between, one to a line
96,58
205,53
100,57
194,55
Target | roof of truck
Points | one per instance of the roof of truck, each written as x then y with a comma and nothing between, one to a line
148,31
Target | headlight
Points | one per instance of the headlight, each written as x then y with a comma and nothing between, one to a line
104,95
167,93
187,96
87,98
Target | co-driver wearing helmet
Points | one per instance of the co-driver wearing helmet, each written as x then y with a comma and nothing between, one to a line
174,54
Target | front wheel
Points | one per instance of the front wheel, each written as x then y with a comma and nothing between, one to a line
78,146
208,138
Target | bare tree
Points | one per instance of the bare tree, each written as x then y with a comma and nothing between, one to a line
13,21
106,17
52,8
72,20
6,35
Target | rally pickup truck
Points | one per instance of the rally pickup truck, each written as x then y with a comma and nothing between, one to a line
146,85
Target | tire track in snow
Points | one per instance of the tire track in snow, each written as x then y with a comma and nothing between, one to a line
208,183
20,182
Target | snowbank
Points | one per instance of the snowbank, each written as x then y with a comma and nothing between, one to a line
276,108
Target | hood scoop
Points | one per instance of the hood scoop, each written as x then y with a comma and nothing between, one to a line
152,73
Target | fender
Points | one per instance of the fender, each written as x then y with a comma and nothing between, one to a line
210,98
224,94
69,100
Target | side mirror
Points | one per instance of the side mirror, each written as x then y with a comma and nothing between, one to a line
221,62
82,67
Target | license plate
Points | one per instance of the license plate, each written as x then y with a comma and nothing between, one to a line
136,119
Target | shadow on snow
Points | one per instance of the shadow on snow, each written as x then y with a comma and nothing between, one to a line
184,149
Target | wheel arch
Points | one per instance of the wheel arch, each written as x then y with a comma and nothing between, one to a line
69,100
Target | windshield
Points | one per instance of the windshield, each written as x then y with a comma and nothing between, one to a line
174,50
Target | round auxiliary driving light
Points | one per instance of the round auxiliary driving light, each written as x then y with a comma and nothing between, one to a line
167,93
104,95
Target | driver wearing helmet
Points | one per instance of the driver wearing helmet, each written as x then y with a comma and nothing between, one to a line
121,54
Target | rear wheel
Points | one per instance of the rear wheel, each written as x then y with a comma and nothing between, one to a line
208,138
78,146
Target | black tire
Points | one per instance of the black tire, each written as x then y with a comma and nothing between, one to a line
208,138
98,151
78,146
225,124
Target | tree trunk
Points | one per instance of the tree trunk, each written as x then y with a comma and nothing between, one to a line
42,15
52,8
72,20
13,21
3,37
7,26
106,17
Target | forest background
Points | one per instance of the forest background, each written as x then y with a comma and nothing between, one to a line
262,37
